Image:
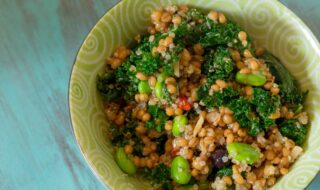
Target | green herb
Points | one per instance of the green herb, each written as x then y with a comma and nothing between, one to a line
159,118
203,90
222,34
220,98
107,87
218,64
174,59
160,175
294,130
265,103
120,135
117,138
148,64
225,171
126,78
195,15
244,114
289,90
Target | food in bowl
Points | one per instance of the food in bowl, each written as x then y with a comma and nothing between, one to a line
193,105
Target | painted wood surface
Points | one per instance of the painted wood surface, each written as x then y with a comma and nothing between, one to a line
38,43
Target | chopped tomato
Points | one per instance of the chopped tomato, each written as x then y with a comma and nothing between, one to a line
174,152
183,103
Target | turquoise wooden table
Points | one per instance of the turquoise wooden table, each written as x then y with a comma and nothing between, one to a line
38,43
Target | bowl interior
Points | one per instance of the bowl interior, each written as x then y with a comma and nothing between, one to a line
271,24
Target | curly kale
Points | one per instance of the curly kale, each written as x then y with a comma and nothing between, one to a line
117,137
174,59
215,34
218,99
218,64
225,171
147,63
126,78
203,90
289,90
119,134
244,114
159,118
294,130
252,113
265,105
195,15
109,90
159,175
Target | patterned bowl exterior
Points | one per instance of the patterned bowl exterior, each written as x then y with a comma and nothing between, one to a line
270,23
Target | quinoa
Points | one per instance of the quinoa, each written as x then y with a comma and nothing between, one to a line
193,86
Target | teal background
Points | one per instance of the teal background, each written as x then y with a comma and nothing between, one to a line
39,40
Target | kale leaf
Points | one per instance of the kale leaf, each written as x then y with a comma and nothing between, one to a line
225,171
116,136
159,175
289,90
203,90
214,34
218,64
159,118
174,59
244,114
294,130
265,105
126,78
148,64
220,98
195,15
107,87
119,134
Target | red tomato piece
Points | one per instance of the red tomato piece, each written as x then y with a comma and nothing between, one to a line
183,103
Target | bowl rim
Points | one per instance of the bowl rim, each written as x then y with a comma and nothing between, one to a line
308,32
71,72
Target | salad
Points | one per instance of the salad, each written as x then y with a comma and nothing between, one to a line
192,104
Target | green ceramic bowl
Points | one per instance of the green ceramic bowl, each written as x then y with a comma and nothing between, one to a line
270,23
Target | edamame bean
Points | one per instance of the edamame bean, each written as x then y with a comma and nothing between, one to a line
144,87
251,79
179,122
162,77
160,85
243,152
125,164
159,90
180,170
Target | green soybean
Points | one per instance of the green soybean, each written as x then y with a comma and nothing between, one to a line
180,170
124,162
159,90
144,87
243,152
179,122
162,77
251,79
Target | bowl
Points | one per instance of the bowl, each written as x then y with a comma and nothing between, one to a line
270,23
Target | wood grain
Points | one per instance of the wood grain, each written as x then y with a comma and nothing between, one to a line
39,41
